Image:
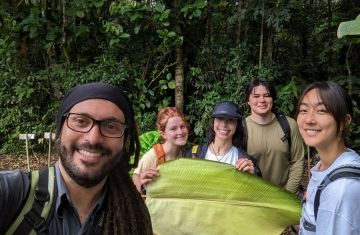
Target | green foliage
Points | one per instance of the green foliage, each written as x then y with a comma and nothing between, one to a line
7,54
147,140
349,28
46,50
27,107
287,97
193,10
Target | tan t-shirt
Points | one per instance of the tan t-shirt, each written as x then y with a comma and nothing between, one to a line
271,153
148,160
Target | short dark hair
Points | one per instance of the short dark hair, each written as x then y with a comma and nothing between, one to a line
258,82
335,99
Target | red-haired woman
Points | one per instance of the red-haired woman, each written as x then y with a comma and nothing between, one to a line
174,130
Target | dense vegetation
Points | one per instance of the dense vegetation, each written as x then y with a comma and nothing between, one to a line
191,54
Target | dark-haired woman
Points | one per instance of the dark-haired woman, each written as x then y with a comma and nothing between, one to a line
225,139
324,115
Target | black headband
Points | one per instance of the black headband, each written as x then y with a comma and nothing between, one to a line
97,90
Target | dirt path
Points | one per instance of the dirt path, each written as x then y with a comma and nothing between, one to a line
37,161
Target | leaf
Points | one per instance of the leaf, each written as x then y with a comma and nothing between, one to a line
172,84
80,14
98,4
168,76
171,34
349,28
147,140
200,4
137,29
193,196
124,35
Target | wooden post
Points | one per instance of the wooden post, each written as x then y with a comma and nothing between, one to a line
50,136
27,137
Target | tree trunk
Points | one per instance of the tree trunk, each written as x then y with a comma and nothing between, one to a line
238,33
64,36
329,31
43,8
349,79
238,30
270,45
179,79
261,44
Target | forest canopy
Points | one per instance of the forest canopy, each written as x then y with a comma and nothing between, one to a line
189,54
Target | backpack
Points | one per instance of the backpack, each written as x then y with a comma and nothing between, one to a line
284,126
199,151
338,173
37,210
39,204
160,154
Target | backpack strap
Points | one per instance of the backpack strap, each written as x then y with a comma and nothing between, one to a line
160,154
341,172
245,137
201,151
194,150
284,126
38,205
286,129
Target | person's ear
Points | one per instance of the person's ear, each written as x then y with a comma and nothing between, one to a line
346,122
162,133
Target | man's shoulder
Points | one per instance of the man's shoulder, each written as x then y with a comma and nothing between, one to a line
14,183
14,186
12,176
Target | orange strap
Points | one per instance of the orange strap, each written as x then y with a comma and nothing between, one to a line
160,154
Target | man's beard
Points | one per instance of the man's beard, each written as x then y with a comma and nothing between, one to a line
82,178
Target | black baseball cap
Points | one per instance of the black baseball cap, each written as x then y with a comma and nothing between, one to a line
226,109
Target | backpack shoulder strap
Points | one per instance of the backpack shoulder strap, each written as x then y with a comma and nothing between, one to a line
245,137
286,128
38,205
201,151
160,154
341,172
194,150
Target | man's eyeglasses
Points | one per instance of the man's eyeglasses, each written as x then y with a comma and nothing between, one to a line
82,123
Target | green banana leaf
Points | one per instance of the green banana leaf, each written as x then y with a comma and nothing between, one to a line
193,196
350,28
147,140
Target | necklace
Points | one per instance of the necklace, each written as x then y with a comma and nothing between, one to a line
217,156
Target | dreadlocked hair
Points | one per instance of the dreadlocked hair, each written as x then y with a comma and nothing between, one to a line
126,211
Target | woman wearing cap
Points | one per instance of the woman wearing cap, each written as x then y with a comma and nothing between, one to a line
224,143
